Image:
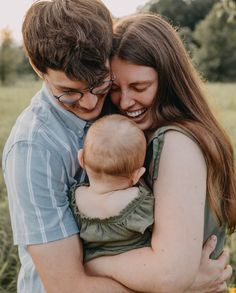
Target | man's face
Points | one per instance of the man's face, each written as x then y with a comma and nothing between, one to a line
74,96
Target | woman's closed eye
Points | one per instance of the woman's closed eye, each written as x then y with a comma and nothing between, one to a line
139,88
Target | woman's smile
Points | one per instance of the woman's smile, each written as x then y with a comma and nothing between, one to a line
134,91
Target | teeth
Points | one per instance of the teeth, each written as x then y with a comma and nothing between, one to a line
135,114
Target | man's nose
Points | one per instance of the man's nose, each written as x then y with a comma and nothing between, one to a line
89,101
126,100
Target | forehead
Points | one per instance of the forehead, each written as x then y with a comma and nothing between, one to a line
59,78
131,72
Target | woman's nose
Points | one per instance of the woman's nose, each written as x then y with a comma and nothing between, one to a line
126,100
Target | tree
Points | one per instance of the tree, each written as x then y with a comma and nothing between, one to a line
23,65
7,55
216,36
228,7
183,13
13,61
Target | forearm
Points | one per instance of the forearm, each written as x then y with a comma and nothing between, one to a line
94,285
89,284
68,274
140,270
211,276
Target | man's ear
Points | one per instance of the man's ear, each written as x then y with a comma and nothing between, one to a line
39,73
81,158
137,175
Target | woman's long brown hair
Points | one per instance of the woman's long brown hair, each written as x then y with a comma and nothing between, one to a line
149,40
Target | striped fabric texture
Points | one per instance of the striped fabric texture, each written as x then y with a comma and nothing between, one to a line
39,165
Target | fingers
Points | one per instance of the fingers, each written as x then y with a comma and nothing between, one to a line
226,274
222,287
209,246
223,259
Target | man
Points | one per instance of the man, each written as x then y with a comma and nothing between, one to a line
68,43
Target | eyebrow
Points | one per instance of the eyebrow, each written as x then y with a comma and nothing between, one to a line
69,89
141,82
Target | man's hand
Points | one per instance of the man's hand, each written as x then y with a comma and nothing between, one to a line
212,274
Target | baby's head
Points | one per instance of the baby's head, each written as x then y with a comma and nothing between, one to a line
114,146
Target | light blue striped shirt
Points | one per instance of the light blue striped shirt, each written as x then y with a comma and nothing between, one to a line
39,165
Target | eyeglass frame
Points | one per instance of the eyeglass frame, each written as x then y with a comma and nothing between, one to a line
90,89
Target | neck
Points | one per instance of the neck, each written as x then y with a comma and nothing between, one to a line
109,184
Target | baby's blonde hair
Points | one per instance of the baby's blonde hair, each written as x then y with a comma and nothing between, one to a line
115,146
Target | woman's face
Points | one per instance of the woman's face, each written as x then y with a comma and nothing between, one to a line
134,91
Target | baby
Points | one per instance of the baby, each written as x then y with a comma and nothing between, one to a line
113,211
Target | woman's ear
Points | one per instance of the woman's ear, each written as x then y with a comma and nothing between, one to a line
137,175
81,158
39,73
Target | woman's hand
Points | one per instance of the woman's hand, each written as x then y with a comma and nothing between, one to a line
212,274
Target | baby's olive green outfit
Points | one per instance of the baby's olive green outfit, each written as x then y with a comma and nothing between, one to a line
128,230
154,149
131,228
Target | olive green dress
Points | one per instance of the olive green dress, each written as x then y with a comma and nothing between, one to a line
130,229
154,149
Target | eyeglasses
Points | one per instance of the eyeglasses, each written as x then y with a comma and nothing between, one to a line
71,97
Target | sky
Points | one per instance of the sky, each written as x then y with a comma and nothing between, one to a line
13,11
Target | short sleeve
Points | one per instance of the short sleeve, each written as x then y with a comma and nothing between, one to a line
37,187
141,212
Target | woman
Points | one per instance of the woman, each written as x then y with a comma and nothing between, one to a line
189,161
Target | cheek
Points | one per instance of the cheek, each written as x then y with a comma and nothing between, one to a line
151,96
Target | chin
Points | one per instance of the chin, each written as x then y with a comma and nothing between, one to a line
145,125
89,116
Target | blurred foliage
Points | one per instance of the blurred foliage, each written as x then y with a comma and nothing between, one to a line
8,54
216,37
231,245
208,30
9,263
183,13
13,61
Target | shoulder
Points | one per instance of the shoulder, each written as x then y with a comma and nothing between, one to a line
30,121
179,141
174,149
174,140
182,159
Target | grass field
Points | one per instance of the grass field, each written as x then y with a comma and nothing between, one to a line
14,99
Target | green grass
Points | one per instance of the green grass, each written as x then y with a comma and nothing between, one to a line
14,99
222,98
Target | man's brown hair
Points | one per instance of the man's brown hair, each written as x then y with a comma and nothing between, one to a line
114,145
73,36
